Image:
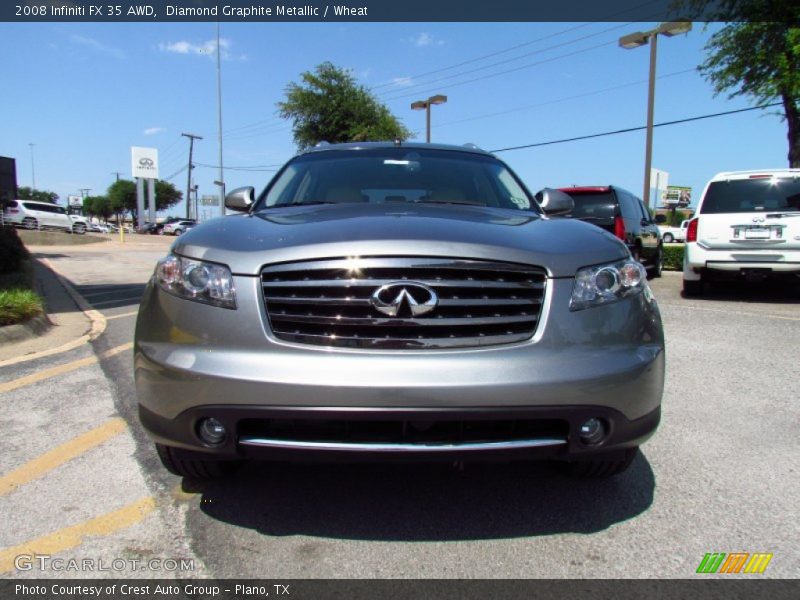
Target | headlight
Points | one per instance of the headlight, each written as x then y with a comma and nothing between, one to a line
196,280
604,284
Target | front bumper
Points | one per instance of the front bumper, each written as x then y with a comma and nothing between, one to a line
194,361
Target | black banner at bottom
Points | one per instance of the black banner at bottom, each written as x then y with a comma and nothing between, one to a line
405,589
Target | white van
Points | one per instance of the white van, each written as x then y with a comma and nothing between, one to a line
747,225
31,214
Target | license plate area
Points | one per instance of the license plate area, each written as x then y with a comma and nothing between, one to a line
757,233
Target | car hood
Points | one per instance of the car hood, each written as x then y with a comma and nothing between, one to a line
248,242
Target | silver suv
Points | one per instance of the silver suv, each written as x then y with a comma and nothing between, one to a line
385,299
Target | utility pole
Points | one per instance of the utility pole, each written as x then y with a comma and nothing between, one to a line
192,138
117,173
33,171
84,191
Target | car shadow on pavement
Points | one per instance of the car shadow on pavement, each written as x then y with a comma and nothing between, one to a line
424,502
110,296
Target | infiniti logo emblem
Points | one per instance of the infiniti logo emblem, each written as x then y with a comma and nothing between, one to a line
403,298
758,219
146,162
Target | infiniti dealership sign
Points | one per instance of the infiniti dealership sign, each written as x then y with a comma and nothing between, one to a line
144,162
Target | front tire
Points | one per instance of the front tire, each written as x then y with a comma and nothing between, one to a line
177,232
29,223
600,468
79,229
658,267
668,238
187,465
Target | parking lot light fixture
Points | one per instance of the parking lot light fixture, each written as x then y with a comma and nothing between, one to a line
426,106
634,40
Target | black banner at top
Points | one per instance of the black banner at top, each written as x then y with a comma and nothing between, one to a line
110,11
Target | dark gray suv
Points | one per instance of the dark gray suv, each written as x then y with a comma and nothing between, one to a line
393,299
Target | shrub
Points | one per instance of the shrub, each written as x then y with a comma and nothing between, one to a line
673,257
676,218
12,250
18,305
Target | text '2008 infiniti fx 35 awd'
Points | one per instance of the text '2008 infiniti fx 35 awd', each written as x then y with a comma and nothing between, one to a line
398,300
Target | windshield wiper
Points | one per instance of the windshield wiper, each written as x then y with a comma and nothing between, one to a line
783,214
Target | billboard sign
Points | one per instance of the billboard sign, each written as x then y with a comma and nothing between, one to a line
678,196
144,162
74,201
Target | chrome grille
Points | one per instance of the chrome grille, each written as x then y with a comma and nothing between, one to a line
328,302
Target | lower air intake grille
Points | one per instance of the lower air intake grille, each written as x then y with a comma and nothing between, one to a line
403,302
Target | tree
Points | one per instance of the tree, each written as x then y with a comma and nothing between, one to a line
330,106
98,206
757,54
27,193
122,197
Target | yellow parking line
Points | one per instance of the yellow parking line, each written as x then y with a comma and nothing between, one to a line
70,537
58,456
127,314
60,369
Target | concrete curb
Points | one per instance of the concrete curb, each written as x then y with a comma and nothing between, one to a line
24,331
82,325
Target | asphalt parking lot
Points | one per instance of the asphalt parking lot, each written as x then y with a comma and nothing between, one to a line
80,479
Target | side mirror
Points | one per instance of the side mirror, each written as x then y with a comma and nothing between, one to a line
240,199
555,202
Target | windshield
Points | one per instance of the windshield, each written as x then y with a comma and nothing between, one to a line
600,205
397,175
752,195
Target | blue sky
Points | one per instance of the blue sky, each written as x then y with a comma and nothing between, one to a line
84,93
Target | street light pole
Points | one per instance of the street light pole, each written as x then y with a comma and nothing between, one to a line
651,100
634,40
219,118
426,106
192,138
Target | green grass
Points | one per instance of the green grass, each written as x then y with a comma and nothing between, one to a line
18,305
18,302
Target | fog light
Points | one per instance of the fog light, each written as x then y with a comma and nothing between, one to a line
592,431
212,431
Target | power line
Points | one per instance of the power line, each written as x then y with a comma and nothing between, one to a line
256,131
630,129
255,169
508,60
480,58
176,173
507,71
562,99
275,120
516,47
241,166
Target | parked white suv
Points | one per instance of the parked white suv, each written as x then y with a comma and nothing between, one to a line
31,214
747,225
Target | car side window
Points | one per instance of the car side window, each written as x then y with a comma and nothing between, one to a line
645,214
627,206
